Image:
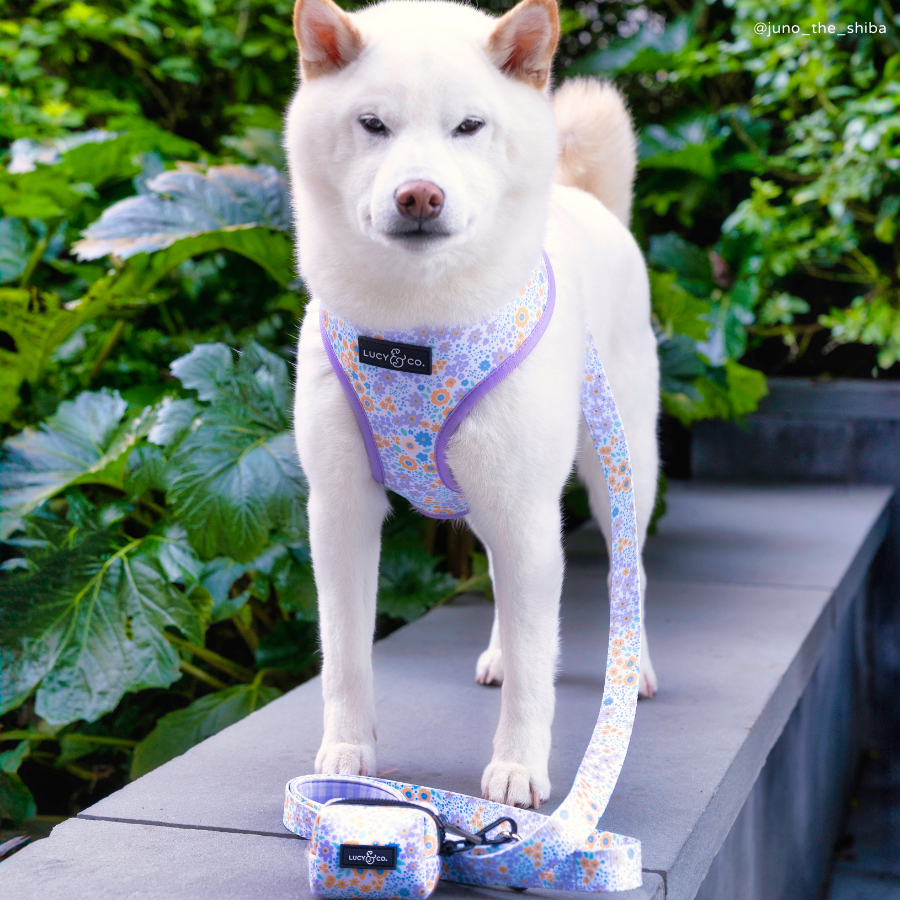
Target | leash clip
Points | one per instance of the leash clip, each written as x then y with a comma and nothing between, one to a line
468,840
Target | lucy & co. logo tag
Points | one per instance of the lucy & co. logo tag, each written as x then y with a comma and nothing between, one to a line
357,856
394,355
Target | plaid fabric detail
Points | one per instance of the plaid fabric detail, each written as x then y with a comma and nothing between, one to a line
324,788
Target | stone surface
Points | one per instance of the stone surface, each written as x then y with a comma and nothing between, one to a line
801,536
113,860
745,589
844,432
780,845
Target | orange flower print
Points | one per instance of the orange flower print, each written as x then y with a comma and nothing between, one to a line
367,402
522,316
409,463
440,397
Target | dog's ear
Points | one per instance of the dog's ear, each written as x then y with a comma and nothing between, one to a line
327,38
524,40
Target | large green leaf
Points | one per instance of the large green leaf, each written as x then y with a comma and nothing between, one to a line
677,311
50,179
16,801
256,387
84,442
291,646
187,203
13,249
26,154
234,477
408,584
679,365
230,487
178,731
88,627
691,263
726,392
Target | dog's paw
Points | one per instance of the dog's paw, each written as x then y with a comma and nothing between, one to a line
489,668
515,785
345,759
647,684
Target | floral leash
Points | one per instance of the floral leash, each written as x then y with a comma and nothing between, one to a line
566,850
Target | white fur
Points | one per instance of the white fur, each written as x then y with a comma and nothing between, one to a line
422,70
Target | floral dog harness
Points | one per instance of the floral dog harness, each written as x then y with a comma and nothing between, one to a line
386,839
410,390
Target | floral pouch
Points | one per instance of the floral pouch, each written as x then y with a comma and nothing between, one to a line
386,849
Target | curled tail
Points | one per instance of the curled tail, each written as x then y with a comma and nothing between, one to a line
597,148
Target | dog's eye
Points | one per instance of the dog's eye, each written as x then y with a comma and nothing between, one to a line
469,126
373,124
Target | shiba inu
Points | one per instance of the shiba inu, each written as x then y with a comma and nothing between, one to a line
431,165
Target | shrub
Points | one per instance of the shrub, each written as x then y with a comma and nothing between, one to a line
156,577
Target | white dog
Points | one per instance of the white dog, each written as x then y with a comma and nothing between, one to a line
430,164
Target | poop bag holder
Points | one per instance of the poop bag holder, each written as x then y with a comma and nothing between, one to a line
388,840
387,848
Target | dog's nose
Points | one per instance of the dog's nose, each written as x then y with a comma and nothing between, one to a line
419,200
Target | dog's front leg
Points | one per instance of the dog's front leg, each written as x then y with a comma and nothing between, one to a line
527,557
346,508
344,530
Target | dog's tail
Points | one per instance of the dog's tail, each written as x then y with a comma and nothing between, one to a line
597,148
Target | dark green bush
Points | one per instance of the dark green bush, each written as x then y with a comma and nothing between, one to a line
156,578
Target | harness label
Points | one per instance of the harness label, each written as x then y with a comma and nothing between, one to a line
394,355
357,856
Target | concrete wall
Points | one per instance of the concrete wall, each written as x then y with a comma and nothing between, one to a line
844,432
780,846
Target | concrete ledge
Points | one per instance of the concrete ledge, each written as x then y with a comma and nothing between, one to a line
748,591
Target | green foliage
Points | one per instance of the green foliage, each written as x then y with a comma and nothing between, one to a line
180,730
769,188
16,801
84,442
182,204
232,476
89,624
409,583
157,583
184,64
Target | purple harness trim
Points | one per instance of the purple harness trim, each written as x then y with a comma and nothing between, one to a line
364,425
465,405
